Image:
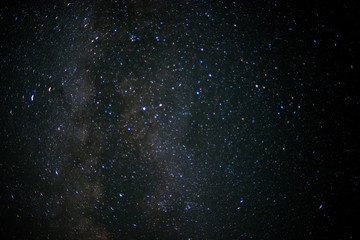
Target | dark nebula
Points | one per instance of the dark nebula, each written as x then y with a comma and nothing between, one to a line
179,120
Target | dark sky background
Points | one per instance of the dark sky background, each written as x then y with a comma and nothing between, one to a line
179,120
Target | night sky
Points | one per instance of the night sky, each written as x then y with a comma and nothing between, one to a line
179,120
